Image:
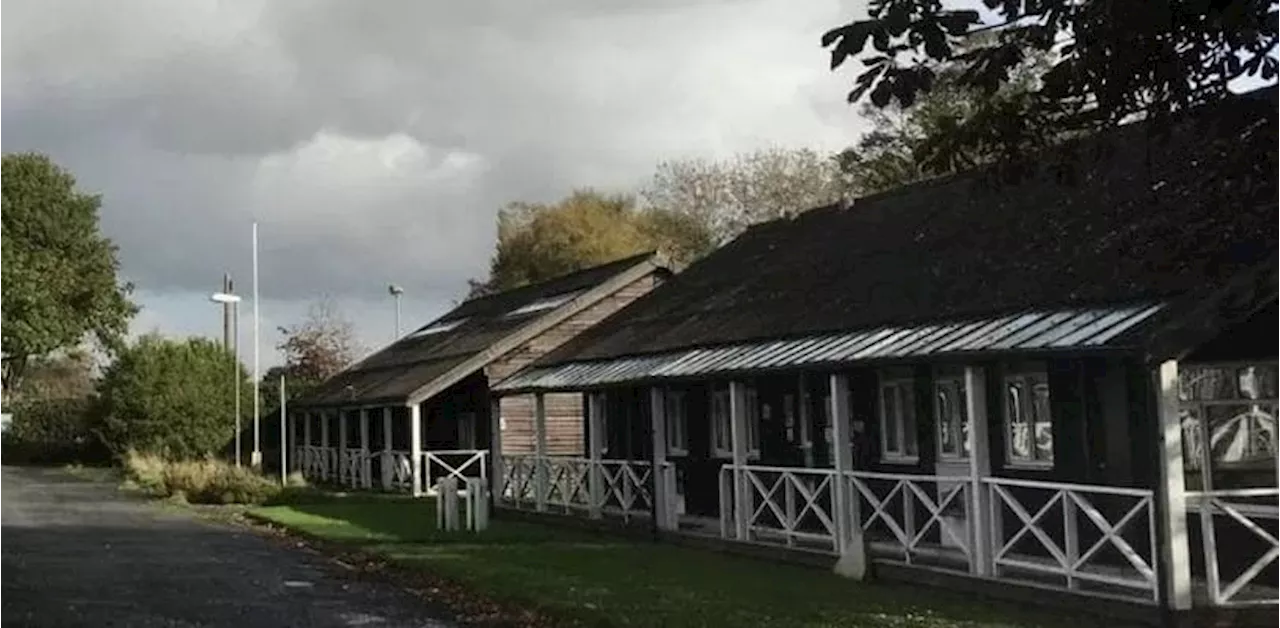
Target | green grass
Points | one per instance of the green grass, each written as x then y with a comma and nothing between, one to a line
592,579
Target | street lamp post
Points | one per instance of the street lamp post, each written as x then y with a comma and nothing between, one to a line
396,291
227,298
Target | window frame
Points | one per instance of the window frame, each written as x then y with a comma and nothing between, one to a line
676,415
722,423
962,437
1033,379
899,454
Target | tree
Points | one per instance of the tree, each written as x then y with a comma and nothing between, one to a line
314,350
59,272
907,144
1110,61
730,195
170,397
537,241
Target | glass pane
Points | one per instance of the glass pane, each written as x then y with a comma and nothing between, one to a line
1242,434
945,418
1043,423
962,409
889,419
908,407
1018,435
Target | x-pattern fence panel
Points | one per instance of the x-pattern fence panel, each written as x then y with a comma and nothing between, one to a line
913,512
399,468
453,463
623,485
1077,534
785,505
1250,509
316,461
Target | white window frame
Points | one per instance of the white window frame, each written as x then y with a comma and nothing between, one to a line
961,432
1034,380
897,423
722,424
467,430
677,418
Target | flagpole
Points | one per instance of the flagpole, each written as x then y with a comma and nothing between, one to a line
257,392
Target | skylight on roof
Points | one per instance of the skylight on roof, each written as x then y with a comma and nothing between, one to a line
545,303
438,327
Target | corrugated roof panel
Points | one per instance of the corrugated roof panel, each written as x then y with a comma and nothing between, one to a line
1027,330
872,349
1125,325
979,336
1044,321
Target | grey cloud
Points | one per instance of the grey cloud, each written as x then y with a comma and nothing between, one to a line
375,142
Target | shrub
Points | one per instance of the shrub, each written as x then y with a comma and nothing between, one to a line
53,431
206,481
170,398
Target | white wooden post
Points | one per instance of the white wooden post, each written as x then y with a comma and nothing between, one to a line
738,433
307,463
981,522
388,461
540,450
495,448
848,522
415,448
1172,492
342,448
365,471
663,503
324,446
595,443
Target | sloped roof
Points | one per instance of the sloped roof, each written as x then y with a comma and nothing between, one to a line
1139,217
423,355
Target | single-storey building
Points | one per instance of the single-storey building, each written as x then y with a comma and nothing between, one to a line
1063,377
425,397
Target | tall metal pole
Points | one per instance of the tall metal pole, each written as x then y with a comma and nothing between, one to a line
256,459
226,313
284,436
235,351
397,316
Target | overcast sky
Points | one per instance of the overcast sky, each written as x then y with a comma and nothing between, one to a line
374,142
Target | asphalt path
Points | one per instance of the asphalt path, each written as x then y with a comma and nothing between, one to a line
78,553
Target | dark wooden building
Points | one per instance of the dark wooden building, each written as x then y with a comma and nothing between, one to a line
426,396
1053,376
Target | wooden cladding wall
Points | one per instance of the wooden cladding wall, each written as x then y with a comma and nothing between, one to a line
564,411
564,424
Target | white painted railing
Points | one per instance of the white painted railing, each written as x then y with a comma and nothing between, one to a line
913,514
398,467
623,487
1049,540
352,463
785,505
1246,508
455,463
316,461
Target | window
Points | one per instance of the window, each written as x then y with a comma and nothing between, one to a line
467,430
1235,405
721,432
897,417
950,406
545,303
438,327
1027,419
677,423
722,424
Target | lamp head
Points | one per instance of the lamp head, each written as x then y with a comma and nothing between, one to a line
395,290
223,297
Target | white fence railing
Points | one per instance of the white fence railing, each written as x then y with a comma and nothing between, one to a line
1250,509
317,461
914,515
785,505
397,468
1077,536
456,463
617,487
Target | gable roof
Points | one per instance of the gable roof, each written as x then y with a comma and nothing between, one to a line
465,339
1139,219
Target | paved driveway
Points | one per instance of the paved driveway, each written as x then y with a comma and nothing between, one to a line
78,554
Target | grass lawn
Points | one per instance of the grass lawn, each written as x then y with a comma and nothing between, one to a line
586,578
